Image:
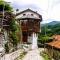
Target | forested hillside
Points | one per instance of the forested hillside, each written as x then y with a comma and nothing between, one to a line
51,28
48,30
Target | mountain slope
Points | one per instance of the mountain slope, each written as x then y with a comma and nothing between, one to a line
53,22
51,28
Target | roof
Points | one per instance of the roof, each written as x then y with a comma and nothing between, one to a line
29,17
27,10
55,44
56,37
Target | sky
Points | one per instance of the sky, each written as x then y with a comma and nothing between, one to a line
49,9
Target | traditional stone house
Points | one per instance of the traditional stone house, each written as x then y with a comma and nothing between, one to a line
30,25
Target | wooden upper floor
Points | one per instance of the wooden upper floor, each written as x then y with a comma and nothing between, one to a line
30,20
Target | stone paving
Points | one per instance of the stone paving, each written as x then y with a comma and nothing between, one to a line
33,55
12,55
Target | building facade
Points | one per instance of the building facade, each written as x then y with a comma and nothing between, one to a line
30,25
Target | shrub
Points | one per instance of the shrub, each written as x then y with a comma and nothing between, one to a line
45,56
44,39
6,48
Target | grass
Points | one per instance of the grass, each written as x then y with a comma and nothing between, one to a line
45,56
21,56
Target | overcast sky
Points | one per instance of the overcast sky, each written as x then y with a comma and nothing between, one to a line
49,9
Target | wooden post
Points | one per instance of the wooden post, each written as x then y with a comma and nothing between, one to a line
52,51
20,28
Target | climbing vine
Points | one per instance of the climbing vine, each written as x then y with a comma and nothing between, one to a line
12,28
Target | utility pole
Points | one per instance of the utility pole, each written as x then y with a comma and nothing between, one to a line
20,33
45,30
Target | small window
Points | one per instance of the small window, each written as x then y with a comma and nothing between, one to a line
31,14
24,14
29,34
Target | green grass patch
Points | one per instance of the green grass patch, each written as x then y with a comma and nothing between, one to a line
45,56
21,56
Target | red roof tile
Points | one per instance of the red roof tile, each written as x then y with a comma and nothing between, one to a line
56,37
55,44
56,41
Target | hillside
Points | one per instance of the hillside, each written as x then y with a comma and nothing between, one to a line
53,23
51,28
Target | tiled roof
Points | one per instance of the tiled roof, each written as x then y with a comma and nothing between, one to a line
56,37
29,16
55,44
56,41
27,10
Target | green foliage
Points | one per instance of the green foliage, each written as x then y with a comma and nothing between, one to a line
49,30
18,33
45,56
21,56
13,35
5,5
44,39
56,54
11,20
13,26
6,48
14,39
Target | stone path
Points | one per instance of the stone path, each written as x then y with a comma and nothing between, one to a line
12,55
33,55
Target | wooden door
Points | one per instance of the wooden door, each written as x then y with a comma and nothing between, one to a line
25,37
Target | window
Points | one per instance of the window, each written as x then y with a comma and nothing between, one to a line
31,14
29,34
24,14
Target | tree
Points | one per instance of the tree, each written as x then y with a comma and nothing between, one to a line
5,5
6,48
44,39
10,17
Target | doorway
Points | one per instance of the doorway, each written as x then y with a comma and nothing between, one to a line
25,37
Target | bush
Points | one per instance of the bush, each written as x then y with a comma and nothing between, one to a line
45,55
44,39
6,48
14,40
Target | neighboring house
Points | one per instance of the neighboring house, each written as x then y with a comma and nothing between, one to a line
30,25
56,37
56,41
53,48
